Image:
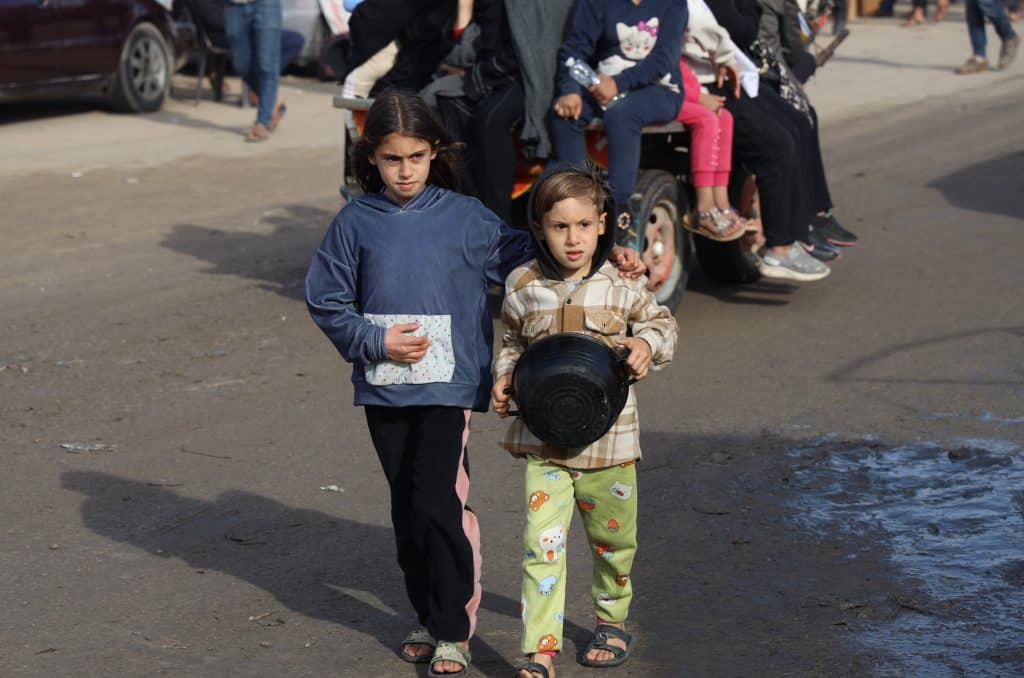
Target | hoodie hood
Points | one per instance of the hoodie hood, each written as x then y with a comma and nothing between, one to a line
605,243
380,202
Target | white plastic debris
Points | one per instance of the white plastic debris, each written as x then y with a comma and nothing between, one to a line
332,488
78,448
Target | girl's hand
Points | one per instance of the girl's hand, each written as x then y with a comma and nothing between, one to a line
569,106
604,91
403,348
500,395
712,102
628,261
730,73
639,360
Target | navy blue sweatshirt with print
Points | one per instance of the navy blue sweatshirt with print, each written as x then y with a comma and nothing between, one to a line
638,45
427,261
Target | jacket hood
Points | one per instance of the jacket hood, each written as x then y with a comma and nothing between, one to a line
380,202
548,264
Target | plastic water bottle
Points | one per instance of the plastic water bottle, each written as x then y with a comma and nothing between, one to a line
581,72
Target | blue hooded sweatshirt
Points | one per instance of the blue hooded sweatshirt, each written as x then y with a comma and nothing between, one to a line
427,261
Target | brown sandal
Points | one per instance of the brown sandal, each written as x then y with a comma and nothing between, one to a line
259,132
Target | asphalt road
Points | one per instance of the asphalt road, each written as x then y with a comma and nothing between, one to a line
158,313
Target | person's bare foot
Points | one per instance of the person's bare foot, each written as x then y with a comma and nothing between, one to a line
279,110
544,660
417,649
596,655
915,17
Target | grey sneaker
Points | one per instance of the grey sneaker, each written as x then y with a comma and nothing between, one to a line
1009,52
797,265
973,65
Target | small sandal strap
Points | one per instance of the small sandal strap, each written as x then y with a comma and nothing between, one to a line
447,651
419,636
532,667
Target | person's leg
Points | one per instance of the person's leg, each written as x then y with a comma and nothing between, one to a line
611,532
447,532
976,29
704,150
548,505
765,147
815,184
623,123
391,432
266,32
236,30
492,149
996,13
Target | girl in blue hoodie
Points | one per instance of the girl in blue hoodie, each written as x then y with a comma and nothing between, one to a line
399,286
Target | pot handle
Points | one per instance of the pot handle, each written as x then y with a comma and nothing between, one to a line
623,353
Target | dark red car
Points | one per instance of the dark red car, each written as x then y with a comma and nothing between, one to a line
124,49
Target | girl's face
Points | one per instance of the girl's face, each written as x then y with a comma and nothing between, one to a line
404,164
571,229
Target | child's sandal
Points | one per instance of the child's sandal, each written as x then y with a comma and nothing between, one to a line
704,223
447,651
600,642
531,667
419,636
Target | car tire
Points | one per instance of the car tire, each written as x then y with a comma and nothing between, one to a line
143,76
668,249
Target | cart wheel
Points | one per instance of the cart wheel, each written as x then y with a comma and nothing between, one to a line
668,249
726,262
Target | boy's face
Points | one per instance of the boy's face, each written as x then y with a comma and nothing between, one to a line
404,165
571,229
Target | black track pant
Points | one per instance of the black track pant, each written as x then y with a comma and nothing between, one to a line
423,453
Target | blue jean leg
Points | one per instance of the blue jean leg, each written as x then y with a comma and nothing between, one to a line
977,10
623,123
254,34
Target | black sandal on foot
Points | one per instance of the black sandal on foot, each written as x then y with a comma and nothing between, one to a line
418,637
532,667
600,642
450,652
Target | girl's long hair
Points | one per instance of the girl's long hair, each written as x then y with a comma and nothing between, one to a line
396,112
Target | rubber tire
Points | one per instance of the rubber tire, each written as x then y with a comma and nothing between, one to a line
654,187
725,262
123,94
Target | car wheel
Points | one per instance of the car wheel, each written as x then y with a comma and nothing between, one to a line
143,76
668,250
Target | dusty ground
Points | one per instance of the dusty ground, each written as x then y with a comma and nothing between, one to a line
156,307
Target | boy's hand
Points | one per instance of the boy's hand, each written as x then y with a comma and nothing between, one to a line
569,106
500,395
403,348
712,102
604,91
639,360
628,261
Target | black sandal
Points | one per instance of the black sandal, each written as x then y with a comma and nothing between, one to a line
532,667
600,642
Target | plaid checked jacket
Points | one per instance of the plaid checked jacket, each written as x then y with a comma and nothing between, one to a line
605,306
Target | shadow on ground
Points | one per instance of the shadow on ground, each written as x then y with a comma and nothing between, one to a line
987,187
278,260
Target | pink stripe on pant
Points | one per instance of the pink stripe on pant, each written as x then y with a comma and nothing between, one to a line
472,529
710,143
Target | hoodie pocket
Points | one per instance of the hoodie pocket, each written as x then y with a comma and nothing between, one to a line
437,366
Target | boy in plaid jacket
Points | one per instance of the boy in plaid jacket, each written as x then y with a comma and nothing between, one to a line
571,287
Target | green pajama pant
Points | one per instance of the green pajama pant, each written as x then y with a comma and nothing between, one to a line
606,499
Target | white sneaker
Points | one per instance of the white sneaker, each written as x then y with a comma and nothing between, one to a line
796,265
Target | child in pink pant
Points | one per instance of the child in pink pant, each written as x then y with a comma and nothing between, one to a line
710,128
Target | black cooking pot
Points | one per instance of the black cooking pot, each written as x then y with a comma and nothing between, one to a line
570,388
